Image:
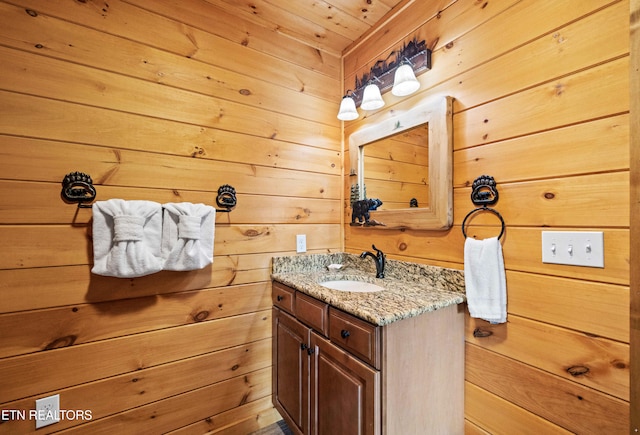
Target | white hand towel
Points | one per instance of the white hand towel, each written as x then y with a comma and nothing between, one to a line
485,280
126,238
187,236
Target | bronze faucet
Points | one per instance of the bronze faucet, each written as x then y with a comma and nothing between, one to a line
378,258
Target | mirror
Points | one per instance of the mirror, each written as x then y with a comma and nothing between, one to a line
408,156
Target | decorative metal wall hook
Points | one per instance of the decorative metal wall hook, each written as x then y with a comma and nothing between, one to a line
78,187
484,193
226,198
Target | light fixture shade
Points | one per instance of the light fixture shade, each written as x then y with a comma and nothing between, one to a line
405,82
348,110
372,99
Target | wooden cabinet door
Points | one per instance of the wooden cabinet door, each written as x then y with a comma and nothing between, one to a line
291,370
345,393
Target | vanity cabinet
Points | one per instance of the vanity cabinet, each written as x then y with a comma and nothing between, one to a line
334,373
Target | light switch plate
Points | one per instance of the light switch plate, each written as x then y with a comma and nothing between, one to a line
574,248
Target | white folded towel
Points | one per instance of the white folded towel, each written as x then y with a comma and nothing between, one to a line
187,236
126,238
485,280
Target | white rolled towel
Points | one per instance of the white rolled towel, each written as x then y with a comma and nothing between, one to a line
485,279
187,236
126,238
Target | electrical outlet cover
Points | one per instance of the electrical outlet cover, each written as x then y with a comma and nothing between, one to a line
301,243
47,411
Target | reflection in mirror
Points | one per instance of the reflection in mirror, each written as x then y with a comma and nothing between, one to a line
398,168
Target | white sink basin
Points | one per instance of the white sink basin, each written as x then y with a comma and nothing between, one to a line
352,286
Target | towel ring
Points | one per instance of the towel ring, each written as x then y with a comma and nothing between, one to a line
483,208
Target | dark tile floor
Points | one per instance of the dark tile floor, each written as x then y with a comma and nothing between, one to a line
277,428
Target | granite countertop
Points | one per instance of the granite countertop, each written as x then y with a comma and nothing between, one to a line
410,289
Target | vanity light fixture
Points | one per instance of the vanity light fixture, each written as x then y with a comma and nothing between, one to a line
372,99
397,72
348,111
405,81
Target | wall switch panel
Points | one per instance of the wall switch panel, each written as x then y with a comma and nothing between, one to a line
47,411
574,248
301,243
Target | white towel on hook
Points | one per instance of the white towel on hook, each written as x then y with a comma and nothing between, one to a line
126,238
485,281
187,236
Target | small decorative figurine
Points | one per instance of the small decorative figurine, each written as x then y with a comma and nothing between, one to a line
360,212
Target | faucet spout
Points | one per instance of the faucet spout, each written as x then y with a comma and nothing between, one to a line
378,258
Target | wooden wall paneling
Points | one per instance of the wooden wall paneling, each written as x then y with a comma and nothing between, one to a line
498,35
41,287
470,44
500,416
571,303
157,66
563,352
297,28
151,170
177,411
594,200
57,79
572,406
301,14
43,32
590,147
77,123
244,419
122,392
49,245
524,78
443,18
175,35
246,32
37,205
599,92
634,144
524,254
28,375
521,249
155,105
83,323
553,54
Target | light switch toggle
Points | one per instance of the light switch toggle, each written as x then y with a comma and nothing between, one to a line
575,248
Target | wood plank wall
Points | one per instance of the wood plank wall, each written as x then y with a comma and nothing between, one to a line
634,146
541,92
162,101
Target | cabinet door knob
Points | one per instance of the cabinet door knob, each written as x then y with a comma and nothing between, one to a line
310,351
344,333
303,346
279,298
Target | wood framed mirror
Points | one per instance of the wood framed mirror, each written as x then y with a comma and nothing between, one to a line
431,172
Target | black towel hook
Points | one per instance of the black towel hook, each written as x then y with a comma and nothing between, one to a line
78,187
226,198
484,193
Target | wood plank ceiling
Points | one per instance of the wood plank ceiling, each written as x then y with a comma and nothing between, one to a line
331,26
